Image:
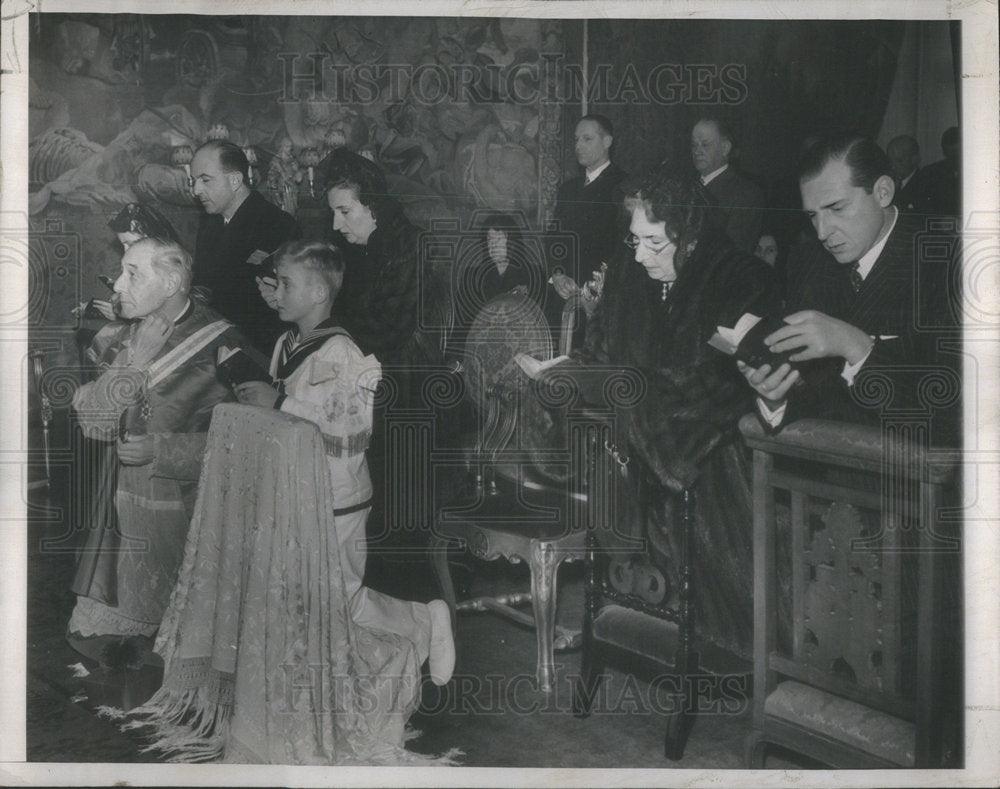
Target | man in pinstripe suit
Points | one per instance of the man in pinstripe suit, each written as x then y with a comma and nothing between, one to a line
861,303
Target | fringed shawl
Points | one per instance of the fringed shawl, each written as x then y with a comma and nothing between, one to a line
262,661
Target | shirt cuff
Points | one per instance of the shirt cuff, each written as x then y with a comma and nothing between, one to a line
773,418
851,370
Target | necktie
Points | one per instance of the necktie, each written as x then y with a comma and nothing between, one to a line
856,279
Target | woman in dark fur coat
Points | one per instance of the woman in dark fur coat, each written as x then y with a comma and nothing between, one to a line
679,431
379,305
379,301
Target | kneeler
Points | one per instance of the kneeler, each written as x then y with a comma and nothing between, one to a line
262,663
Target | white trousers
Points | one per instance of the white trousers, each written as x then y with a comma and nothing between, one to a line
372,609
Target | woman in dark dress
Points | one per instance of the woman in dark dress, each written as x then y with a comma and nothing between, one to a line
505,267
678,427
381,304
494,263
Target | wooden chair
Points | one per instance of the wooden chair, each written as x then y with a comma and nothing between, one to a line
511,507
521,507
861,679
623,629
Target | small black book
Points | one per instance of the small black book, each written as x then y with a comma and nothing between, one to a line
753,352
235,366
751,348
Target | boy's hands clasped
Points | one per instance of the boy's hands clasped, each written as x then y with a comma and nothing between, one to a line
256,393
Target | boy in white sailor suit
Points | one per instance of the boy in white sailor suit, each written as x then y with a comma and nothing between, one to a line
320,374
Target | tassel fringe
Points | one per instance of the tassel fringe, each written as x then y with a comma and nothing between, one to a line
186,725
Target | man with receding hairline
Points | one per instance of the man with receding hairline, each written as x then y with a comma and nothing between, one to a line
740,202
154,400
238,230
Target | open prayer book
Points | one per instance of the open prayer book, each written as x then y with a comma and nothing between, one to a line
235,366
745,341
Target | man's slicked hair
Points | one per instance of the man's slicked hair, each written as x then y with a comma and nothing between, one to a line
866,160
231,157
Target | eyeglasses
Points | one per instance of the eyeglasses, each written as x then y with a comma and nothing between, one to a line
632,241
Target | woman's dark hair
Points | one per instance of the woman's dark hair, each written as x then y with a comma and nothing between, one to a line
498,220
517,249
144,220
347,170
678,203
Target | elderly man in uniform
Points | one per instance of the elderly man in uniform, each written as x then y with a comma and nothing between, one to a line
154,398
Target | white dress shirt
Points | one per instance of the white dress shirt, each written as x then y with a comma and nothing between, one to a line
865,265
707,179
591,175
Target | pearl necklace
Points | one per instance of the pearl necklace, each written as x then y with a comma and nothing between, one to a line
665,291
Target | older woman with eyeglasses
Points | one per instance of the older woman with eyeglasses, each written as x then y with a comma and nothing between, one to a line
653,322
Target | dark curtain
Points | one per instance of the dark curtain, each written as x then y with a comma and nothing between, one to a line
801,78
955,31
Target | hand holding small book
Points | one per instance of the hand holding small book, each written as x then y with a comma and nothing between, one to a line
772,386
235,366
747,341
769,372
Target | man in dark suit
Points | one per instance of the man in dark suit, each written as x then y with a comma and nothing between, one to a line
238,230
862,303
940,183
589,206
740,202
904,158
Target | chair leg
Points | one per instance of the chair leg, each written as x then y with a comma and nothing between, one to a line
686,659
544,564
681,720
439,562
591,667
756,750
